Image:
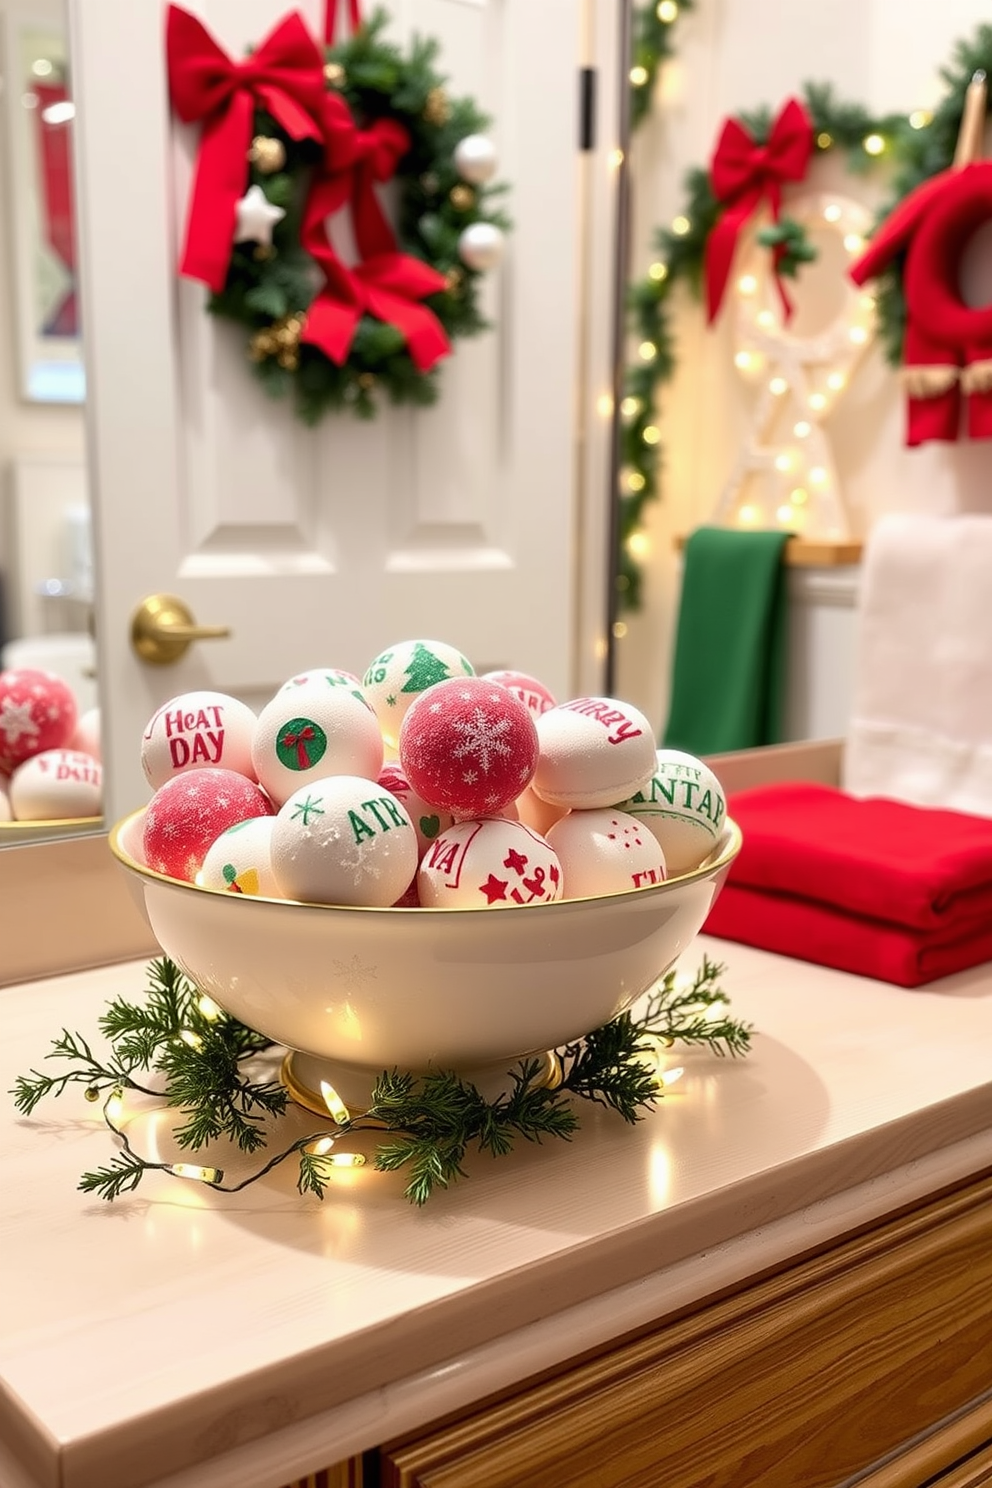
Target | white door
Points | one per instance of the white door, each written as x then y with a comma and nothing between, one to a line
479,521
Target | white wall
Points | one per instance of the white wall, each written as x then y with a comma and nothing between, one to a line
734,54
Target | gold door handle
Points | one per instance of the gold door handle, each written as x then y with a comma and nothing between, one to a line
163,628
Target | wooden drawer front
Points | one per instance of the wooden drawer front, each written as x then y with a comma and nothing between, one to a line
805,1378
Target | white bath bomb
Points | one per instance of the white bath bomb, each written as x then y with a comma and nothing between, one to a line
87,736
605,852
240,861
492,863
400,674
593,752
322,677
683,806
537,814
309,734
197,731
5,812
55,784
344,840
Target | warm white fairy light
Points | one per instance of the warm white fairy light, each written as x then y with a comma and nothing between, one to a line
647,351
799,496
193,1170
801,430
638,76
114,1106
858,335
778,386
818,475
817,402
630,406
322,1146
208,1009
873,144
334,1103
765,320
669,1077
636,481
747,284
920,118
619,630
667,11
783,461
835,381
658,271
639,544
867,303
832,212
616,159
785,515
193,1040
744,361
604,405
681,225
652,434
747,515
824,140
853,242
346,1160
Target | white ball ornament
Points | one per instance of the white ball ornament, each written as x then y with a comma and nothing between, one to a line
56,784
312,732
683,806
488,864
594,751
480,246
605,852
196,731
240,861
344,841
475,159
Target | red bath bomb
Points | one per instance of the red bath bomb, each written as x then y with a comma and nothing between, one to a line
468,746
532,693
37,712
189,812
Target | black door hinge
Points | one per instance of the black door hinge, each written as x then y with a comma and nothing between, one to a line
587,108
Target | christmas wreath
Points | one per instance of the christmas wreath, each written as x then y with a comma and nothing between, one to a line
296,134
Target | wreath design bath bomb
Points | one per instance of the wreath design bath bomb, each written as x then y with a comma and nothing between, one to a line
595,751
468,746
399,675
306,735
683,806
37,712
240,861
605,852
188,813
532,693
488,864
346,841
197,730
56,783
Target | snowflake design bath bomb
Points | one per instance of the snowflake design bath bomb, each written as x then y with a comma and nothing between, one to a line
683,806
532,693
37,712
400,674
309,733
488,864
187,814
344,840
595,751
58,783
195,731
605,852
240,861
468,746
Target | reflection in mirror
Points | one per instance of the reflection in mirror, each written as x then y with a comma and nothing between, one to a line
49,721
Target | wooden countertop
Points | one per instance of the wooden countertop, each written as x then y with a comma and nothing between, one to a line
806,552
223,1338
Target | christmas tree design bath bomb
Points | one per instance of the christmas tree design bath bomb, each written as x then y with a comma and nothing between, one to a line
240,861
196,730
595,751
399,675
56,783
346,841
605,852
683,806
37,712
307,734
468,746
488,864
187,814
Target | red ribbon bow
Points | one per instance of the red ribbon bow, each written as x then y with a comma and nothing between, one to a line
284,75
299,741
385,283
743,174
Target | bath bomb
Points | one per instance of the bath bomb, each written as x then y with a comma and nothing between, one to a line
594,751
307,735
6,814
187,814
605,852
398,676
240,861
37,712
195,731
56,783
86,737
488,864
427,820
344,840
468,746
537,814
532,693
683,806
322,677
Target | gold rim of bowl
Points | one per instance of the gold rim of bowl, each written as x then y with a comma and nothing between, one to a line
50,823
723,853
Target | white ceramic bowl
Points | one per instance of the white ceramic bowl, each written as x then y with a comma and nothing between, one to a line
466,989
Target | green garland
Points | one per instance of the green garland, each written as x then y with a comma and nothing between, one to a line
679,251
204,1060
651,45
268,293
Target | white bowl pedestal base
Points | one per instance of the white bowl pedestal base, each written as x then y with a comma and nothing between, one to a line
304,1074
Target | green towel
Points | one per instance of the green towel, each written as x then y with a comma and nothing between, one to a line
729,667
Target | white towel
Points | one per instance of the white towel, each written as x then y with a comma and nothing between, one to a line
921,726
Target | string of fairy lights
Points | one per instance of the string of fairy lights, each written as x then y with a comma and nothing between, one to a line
909,147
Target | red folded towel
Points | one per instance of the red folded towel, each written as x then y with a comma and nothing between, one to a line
914,866
871,948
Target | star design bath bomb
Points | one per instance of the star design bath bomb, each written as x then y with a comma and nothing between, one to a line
37,712
488,864
468,746
605,852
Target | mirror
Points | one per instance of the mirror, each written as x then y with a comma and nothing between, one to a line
46,565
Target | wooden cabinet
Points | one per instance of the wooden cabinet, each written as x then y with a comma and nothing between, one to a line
846,1359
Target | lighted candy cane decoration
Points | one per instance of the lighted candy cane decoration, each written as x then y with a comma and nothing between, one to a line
801,378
